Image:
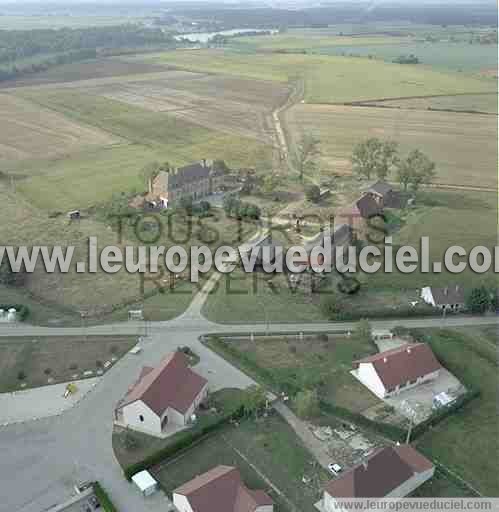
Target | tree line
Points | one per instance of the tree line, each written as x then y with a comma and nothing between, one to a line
21,44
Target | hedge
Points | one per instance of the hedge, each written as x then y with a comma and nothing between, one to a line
103,498
22,310
181,445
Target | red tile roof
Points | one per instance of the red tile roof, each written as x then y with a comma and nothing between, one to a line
406,363
171,384
384,471
222,490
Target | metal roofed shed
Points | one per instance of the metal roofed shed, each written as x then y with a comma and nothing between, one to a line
145,482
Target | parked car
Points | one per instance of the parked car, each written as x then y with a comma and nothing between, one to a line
335,469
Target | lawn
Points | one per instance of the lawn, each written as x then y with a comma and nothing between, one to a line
328,79
263,450
31,362
312,362
467,442
463,146
467,219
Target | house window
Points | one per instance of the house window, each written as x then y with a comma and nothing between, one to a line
141,418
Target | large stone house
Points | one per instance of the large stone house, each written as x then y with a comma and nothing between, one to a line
390,472
390,372
162,397
220,490
195,181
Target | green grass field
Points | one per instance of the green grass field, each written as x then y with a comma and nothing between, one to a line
328,79
467,442
90,177
467,219
459,56
273,449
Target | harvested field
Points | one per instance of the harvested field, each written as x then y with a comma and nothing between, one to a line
92,69
29,131
222,103
463,146
486,103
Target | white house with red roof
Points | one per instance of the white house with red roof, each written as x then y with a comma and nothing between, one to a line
220,490
163,398
390,472
390,372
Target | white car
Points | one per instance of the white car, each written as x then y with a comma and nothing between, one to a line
335,469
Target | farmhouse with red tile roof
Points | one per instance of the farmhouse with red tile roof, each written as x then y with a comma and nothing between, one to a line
220,490
169,393
392,371
390,472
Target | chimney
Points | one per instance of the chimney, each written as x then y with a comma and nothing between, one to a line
385,360
408,350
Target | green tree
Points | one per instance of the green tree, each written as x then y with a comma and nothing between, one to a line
313,193
307,153
415,170
255,400
363,332
375,157
479,300
306,403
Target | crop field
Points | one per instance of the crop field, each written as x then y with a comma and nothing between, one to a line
91,177
482,103
32,132
328,79
227,104
463,146
85,70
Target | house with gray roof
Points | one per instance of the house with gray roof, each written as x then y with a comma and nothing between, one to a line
450,298
197,180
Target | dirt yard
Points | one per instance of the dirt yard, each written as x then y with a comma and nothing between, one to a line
33,362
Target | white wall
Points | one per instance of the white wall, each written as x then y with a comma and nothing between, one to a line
132,413
181,503
265,508
427,296
369,377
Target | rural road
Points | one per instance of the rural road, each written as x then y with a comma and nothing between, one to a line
42,460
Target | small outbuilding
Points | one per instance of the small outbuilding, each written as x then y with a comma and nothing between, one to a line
145,482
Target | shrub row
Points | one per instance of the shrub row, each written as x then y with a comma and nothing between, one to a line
184,443
22,310
103,498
